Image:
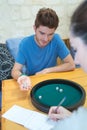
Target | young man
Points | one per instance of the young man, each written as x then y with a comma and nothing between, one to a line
40,51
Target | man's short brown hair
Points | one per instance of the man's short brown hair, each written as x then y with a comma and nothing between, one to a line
47,17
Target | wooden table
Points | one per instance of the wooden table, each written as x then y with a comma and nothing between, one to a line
11,93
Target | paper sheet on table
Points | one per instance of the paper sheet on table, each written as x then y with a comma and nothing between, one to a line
30,119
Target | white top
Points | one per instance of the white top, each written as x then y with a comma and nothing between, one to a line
77,121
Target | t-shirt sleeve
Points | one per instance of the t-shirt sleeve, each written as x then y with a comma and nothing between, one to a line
63,51
20,55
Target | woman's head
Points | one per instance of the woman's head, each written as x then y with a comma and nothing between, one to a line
79,21
78,34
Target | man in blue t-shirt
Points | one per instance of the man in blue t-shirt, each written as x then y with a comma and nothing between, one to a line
39,52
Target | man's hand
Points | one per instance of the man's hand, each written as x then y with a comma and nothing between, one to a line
24,82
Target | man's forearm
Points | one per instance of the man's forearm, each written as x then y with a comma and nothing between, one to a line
16,74
62,67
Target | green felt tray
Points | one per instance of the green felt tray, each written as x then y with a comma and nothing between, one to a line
50,92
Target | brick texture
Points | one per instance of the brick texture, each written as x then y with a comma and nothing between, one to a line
17,16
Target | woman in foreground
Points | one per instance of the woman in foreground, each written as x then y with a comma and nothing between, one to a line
76,120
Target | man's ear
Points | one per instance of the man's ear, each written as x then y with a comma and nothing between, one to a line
34,27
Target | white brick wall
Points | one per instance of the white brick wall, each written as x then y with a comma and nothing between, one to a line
17,16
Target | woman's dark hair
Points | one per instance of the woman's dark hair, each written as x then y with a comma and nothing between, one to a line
47,17
79,21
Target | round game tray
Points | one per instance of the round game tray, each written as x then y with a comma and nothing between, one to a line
50,92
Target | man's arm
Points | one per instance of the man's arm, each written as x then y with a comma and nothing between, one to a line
68,65
16,71
23,80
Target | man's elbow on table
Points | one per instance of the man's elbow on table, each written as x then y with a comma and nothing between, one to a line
70,61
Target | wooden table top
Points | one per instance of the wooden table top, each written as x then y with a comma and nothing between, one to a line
12,95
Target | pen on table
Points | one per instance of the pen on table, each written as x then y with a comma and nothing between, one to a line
60,103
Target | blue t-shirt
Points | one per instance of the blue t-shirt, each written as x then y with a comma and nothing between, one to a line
36,58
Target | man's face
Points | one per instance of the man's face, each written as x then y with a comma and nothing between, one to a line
43,35
81,51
